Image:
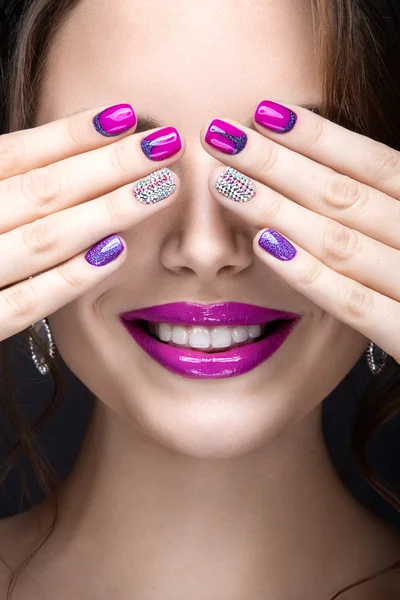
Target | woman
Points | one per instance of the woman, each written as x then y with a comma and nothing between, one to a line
214,257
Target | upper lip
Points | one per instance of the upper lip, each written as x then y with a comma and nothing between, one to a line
223,313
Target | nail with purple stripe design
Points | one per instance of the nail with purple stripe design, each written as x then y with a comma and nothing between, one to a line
275,117
115,120
162,144
225,137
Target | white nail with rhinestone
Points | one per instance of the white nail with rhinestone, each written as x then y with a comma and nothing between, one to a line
157,186
236,186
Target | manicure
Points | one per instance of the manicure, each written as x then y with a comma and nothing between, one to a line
236,186
105,251
275,116
157,186
162,144
274,243
225,137
115,120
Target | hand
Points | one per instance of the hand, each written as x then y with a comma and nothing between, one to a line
334,195
63,187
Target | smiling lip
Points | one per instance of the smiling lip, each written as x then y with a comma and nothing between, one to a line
203,365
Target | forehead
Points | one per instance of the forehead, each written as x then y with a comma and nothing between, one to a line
182,61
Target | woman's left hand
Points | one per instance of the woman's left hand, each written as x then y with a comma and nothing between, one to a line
334,195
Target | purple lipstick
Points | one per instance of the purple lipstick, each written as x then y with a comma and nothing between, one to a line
186,322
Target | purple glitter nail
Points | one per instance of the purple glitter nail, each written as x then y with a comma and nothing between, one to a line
105,251
274,243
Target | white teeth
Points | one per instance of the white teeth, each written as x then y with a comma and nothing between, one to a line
240,334
221,337
254,331
180,335
199,337
204,338
164,332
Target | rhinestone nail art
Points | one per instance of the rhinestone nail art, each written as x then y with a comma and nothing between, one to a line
157,186
235,185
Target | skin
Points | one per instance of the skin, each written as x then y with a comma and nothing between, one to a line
190,488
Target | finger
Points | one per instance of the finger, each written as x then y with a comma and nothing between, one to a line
352,154
32,300
341,248
372,314
47,242
28,149
74,180
316,186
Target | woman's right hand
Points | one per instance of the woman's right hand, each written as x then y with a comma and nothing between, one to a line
64,187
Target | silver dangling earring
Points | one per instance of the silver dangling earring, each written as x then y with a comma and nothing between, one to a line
376,365
40,362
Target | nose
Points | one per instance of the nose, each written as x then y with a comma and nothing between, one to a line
207,240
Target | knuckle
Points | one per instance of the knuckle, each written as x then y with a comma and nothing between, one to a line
21,300
267,157
68,275
343,192
11,153
115,209
273,206
381,160
121,157
357,300
311,273
40,236
339,242
318,134
41,187
76,133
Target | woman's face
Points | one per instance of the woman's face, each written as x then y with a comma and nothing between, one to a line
183,63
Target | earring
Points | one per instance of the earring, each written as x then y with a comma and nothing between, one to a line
42,328
376,364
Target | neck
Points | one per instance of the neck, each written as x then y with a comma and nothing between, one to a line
231,524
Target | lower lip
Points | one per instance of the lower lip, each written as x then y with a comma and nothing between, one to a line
204,365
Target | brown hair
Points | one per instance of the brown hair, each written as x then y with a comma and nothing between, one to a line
358,44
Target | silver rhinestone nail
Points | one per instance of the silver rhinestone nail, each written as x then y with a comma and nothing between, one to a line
157,186
235,185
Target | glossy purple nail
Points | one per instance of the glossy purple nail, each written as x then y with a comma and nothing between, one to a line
275,116
105,251
274,243
115,120
225,137
162,144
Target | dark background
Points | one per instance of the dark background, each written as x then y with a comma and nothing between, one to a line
62,436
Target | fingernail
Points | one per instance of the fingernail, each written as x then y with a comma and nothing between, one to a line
162,144
157,186
105,251
115,120
275,116
274,243
235,185
225,137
